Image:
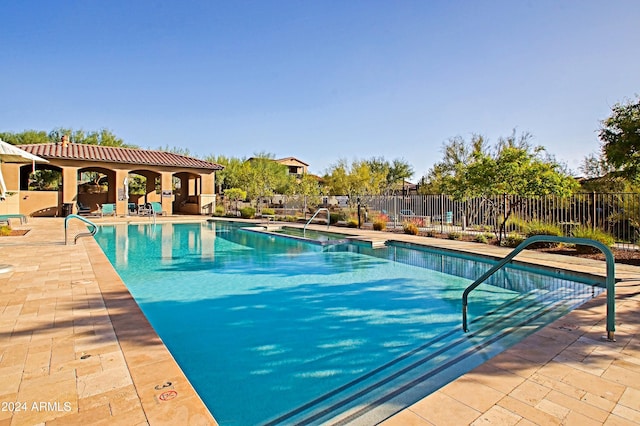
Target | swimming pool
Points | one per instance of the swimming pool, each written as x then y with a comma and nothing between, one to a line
276,330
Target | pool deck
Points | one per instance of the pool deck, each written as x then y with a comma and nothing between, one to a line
76,349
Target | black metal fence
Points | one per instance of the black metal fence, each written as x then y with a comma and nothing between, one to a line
617,214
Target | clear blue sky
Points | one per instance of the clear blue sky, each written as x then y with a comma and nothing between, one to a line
320,80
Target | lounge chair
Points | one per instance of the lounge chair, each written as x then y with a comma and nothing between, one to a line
107,209
6,217
156,208
144,210
132,207
83,210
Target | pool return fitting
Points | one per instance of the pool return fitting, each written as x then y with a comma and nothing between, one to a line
610,281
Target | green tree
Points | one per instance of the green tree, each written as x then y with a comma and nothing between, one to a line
45,180
337,178
354,180
399,171
25,138
620,134
235,194
176,150
446,175
101,137
231,175
513,167
261,176
386,177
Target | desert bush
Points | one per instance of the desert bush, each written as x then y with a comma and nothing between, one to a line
219,211
517,224
481,238
410,228
592,234
512,240
268,211
247,212
379,225
537,227
454,235
336,217
352,223
5,230
430,233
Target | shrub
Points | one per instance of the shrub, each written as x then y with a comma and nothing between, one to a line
410,228
379,225
268,211
352,223
517,224
481,238
247,212
592,234
537,227
336,217
219,211
430,233
512,240
5,230
454,235
290,218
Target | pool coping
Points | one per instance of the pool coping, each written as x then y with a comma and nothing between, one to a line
561,373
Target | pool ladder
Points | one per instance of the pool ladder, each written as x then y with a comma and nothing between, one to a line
304,230
611,297
91,233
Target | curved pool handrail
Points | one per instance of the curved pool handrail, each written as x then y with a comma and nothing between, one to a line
304,230
610,281
93,231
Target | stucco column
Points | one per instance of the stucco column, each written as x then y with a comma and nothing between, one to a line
69,186
166,184
208,193
122,199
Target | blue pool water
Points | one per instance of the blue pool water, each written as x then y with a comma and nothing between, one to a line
270,329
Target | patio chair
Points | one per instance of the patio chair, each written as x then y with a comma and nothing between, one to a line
145,210
83,210
107,209
156,208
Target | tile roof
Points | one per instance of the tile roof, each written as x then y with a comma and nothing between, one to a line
291,159
113,154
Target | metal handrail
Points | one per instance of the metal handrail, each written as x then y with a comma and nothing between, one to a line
93,232
304,230
610,281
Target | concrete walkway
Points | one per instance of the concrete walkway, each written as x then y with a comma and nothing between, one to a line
74,346
76,349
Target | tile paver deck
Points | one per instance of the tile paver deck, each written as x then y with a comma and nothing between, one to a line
76,349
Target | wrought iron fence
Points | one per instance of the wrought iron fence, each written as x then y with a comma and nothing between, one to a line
616,214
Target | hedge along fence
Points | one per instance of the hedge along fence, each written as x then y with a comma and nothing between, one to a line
615,214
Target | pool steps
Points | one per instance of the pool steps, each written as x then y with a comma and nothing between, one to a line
374,243
413,375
